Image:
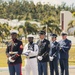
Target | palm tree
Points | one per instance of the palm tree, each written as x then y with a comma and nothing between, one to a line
28,28
52,25
70,26
6,29
4,32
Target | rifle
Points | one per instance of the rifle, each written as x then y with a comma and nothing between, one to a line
46,53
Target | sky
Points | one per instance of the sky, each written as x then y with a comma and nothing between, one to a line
56,2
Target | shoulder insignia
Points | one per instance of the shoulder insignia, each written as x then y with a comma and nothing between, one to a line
21,46
49,45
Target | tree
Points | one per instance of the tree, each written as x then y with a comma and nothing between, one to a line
52,25
28,28
4,31
71,27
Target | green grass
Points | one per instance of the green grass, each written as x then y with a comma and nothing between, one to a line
72,56
3,58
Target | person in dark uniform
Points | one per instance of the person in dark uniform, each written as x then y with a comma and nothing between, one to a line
43,54
53,55
65,46
13,52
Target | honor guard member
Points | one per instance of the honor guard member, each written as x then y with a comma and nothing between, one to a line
31,51
43,54
53,55
65,46
13,52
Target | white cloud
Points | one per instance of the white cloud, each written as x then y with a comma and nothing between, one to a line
57,2
48,1
52,1
68,2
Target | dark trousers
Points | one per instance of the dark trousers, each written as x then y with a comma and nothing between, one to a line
54,67
42,68
16,68
64,66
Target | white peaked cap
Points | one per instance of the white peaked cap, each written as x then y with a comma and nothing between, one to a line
30,35
13,31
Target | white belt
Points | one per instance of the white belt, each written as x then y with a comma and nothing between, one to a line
13,52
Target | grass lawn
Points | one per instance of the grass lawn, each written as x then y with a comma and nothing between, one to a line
3,58
72,56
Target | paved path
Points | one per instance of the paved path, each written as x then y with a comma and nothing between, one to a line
4,71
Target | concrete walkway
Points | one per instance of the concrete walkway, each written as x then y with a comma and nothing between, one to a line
4,71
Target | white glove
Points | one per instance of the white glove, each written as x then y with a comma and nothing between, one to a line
32,53
10,59
51,58
27,52
40,57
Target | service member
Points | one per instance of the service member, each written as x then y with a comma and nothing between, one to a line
53,55
43,54
13,52
65,46
31,52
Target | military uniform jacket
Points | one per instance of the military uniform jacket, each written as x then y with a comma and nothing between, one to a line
65,46
17,47
33,48
44,48
54,49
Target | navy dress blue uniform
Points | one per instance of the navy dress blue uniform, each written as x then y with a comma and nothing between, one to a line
44,47
53,55
65,46
13,52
